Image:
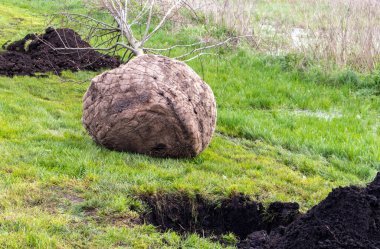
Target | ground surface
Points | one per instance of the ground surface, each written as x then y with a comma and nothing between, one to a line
279,138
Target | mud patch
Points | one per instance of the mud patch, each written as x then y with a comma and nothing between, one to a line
39,54
237,214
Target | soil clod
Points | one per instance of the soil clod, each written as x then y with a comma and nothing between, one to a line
38,54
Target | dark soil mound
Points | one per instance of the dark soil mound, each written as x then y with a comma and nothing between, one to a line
349,218
49,53
237,214
280,214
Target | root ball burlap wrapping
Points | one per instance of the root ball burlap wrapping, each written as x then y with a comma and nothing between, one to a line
153,105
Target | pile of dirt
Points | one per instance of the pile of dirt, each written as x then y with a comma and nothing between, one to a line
49,53
349,218
238,214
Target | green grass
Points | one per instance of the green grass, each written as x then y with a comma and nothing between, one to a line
279,137
277,107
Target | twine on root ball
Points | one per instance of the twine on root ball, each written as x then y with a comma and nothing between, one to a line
153,105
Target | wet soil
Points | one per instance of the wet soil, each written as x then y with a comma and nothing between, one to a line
349,218
237,214
50,52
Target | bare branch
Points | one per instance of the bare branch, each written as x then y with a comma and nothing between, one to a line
176,46
163,21
65,48
120,17
87,17
128,12
149,21
143,11
199,55
211,46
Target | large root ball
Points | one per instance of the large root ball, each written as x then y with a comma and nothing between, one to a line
153,105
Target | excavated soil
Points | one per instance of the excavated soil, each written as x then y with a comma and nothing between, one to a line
349,218
39,54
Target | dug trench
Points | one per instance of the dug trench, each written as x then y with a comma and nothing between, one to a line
238,214
349,218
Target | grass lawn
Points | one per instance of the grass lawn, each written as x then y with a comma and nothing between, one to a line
279,138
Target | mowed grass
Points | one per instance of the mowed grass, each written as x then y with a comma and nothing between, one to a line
279,138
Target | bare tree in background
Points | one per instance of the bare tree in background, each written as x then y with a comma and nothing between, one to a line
149,16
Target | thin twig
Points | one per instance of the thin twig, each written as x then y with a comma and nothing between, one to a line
199,55
162,22
176,46
211,46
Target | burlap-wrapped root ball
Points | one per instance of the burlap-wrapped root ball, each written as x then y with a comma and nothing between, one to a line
153,105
